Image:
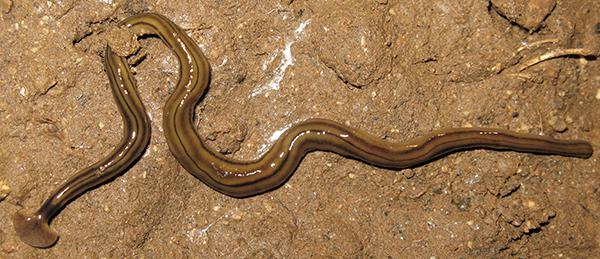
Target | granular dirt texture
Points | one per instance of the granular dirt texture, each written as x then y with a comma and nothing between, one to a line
397,69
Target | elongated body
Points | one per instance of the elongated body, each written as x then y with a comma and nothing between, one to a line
33,229
246,178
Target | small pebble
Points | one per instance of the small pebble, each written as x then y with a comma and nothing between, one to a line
75,93
4,190
558,124
516,223
598,94
237,215
122,41
530,226
408,174
522,172
23,92
51,128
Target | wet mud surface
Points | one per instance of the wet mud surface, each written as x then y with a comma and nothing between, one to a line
397,69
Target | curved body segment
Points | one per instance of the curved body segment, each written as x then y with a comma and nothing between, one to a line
33,229
247,178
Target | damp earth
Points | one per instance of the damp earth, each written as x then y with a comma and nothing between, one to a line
397,69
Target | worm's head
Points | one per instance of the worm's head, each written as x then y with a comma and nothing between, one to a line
34,230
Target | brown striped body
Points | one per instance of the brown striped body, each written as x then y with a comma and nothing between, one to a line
246,178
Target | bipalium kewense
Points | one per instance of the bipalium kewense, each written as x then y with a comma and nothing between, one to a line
246,178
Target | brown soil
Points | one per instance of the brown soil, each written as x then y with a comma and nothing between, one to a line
394,68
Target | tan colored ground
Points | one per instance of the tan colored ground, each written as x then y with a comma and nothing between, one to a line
395,68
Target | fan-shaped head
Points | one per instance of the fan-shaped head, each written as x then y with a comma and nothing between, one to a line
34,230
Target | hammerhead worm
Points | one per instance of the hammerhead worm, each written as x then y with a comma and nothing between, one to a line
247,178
